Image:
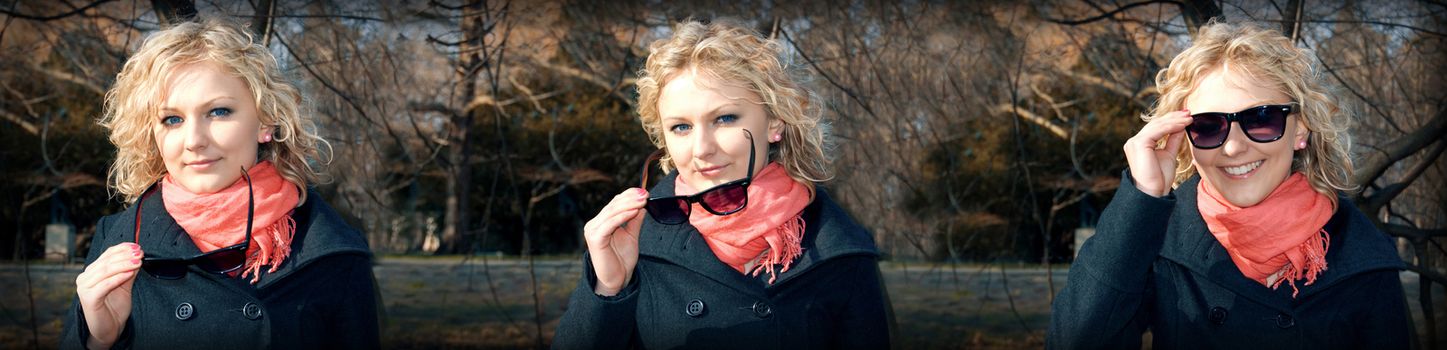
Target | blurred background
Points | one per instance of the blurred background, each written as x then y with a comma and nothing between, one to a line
473,139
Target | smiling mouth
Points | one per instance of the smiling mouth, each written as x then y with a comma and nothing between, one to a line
202,163
710,171
1243,170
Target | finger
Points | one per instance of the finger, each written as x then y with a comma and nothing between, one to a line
102,266
109,269
620,219
635,223
109,284
632,198
1173,142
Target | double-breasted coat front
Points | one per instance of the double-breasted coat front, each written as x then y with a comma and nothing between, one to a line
322,296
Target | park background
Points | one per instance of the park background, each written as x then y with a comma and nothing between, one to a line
978,141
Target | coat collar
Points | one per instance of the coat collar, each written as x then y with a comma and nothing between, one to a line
1356,247
829,233
320,232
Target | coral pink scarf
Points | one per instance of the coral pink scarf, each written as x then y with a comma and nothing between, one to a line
772,220
1282,234
215,220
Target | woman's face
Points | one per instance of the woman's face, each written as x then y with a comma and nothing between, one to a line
208,127
703,129
1242,170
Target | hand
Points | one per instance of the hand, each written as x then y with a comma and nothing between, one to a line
1152,167
613,240
104,289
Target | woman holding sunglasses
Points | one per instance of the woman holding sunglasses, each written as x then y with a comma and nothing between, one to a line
736,246
224,246
1229,230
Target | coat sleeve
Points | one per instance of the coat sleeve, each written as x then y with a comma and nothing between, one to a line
1103,304
75,333
1385,323
598,322
355,325
869,315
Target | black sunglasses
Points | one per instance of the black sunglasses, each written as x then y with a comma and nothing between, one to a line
1262,124
220,261
720,200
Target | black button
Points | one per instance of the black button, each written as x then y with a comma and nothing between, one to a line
762,310
251,311
695,308
1285,321
185,311
1218,315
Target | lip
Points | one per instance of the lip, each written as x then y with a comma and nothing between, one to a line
201,164
1242,176
712,171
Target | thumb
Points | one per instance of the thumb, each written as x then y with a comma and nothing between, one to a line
1173,142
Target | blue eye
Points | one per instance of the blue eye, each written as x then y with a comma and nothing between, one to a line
680,128
221,112
727,118
171,120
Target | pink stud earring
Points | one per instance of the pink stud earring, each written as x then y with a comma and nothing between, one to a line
266,138
1301,145
778,137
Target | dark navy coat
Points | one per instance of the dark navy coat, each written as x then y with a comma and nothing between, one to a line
682,296
322,296
1153,265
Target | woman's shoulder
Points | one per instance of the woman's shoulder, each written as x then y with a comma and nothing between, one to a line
838,232
325,230
1356,240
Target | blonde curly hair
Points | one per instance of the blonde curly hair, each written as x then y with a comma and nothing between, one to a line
729,52
135,98
1271,59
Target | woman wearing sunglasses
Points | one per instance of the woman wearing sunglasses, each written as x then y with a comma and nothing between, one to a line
224,245
735,247
1229,230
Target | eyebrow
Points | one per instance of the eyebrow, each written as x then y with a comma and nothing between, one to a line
710,112
208,103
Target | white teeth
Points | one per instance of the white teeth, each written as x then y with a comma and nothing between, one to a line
1242,170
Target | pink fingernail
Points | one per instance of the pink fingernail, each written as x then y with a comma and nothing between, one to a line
136,261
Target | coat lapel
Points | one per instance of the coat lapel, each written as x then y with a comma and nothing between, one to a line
829,233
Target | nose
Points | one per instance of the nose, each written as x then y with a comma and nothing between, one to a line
197,133
705,143
1235,141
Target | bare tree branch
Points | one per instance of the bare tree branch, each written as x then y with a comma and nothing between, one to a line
1112,13
1373,164
17,14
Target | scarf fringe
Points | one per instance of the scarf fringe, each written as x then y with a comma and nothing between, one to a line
1314,249
792,233
281,233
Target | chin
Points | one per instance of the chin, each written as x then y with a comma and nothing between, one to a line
204,184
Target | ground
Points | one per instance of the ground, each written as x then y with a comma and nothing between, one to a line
448,302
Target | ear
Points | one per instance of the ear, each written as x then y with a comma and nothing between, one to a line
1302,135
265,135
776,127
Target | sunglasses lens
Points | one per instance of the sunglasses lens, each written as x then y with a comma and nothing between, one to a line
166,269
726,200
1265,124
1208,130
222,261
668,211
